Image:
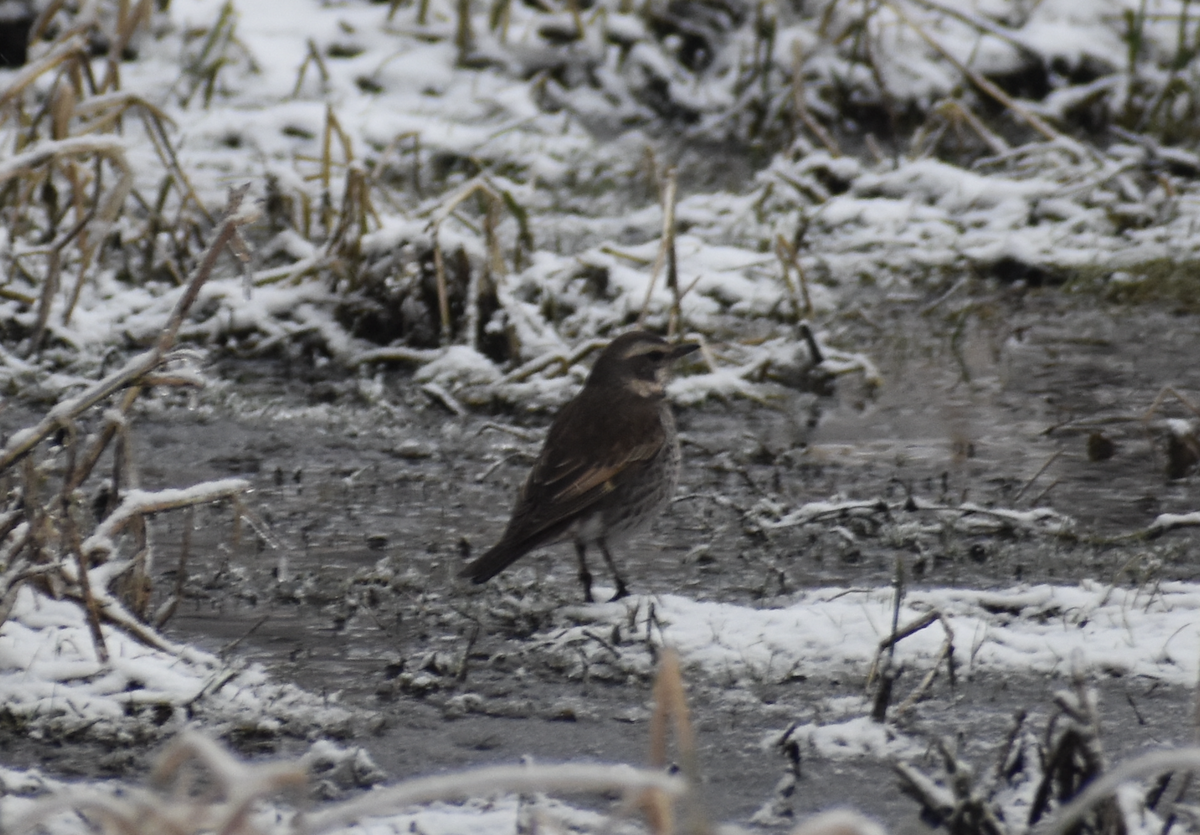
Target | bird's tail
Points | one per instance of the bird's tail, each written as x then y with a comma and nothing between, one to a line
494,560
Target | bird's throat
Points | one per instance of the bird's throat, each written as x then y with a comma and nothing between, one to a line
648,389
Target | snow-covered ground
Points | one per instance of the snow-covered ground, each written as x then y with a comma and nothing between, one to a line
1094,629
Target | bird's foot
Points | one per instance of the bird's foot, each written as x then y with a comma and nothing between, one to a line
585,580
620,592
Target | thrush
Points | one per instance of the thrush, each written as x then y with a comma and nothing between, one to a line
609,464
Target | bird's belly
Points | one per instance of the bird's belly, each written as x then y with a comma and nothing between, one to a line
635,502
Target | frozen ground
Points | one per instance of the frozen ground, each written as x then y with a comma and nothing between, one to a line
446,209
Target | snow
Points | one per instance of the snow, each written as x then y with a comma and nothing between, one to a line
52,682
858,737
1045,630
459,366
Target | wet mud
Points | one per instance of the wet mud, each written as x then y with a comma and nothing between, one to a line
371,497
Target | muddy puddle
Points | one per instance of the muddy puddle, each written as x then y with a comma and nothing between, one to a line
374,497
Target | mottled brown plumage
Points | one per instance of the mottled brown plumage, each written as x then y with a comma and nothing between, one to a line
609,464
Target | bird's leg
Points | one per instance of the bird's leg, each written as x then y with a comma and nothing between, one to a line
612,566
585,576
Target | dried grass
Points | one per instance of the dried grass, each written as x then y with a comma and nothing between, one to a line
49,539
1073,783
70,182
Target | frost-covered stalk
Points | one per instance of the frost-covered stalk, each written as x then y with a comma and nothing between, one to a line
670,705
1102,788
987,86
103,211
227,234
237,786
23,442
72,48
57,514
666,254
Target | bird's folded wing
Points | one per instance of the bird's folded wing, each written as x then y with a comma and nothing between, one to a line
559,490
597,478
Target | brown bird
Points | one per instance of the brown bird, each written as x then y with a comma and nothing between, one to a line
609,464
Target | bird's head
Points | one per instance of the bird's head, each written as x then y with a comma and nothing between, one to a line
638,363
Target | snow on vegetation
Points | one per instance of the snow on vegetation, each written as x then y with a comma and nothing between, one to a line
252,798
499,816
495,180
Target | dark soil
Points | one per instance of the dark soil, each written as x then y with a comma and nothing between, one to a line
373,500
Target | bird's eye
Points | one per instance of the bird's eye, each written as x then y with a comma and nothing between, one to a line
656,355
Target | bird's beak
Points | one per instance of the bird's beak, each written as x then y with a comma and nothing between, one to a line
683,349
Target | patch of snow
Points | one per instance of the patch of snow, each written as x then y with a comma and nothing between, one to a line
1044,630
53,684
